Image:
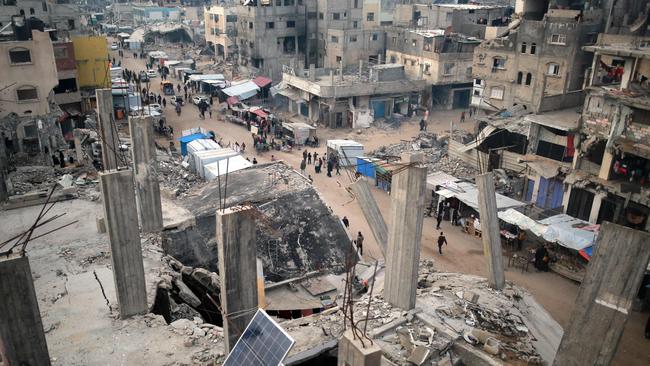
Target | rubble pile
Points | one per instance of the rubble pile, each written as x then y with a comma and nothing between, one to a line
457,317
27,179
435,154
174,177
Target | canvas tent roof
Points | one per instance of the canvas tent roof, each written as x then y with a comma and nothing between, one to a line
244,90
468,194
563,229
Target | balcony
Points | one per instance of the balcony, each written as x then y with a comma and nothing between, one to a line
67,98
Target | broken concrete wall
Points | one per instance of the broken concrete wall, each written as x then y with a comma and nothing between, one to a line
296,232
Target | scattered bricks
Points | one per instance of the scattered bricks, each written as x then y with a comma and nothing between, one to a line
471,297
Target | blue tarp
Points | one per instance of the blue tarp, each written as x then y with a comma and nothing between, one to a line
184,140
365,167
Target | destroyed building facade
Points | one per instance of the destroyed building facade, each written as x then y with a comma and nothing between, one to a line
537,61
444,60
612,168
350,99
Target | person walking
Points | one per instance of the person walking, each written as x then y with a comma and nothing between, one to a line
346,222
338,168
360,243
304,155
439,220
309,158
303,165
329,168
315,157
462,116
441,241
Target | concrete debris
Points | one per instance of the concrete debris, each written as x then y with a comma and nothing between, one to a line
435,153
186,294
504,326
26,179
174,178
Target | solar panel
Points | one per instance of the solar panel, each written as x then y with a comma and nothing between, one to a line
263,343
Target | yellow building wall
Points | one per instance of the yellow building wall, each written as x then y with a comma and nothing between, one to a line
91,55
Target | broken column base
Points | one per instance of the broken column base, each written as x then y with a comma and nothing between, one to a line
353,353
101,225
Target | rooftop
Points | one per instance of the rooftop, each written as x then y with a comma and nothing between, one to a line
563,119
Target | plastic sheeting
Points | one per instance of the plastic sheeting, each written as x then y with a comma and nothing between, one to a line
243,91
563,229
468,194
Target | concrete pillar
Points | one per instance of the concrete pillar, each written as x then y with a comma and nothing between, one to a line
379,59
627,73
605,297
237,252
353,353
77,146
312,72
332,77
371,212
4,192
118,193
360,67
145,167
421,73
405,232
487,203
606,165
341,70
22,339
108,136
595,206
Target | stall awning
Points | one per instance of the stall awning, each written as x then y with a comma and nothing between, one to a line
244,90
468,194
487,131
260,112
562,229
262,81
439,179
232,100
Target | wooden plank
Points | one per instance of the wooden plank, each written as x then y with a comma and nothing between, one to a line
487,202
605,297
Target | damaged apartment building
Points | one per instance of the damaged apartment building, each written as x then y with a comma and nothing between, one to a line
443,59
537,61
591,161
612,167
337,99
28,114
264,35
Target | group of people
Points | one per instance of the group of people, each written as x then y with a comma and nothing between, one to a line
308,159
60,159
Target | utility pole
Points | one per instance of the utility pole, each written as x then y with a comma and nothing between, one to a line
605,297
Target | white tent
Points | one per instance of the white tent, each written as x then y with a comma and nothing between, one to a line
347,150
563,229
243,90
207,157
468,194
230,164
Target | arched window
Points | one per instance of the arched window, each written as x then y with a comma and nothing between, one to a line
529,78
533,48
523,47
520,77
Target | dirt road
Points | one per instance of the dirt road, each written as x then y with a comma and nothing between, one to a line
463,254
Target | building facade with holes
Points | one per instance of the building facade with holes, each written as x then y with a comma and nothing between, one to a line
28,73
443,59
538,62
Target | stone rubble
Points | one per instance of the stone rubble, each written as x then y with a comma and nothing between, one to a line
435,153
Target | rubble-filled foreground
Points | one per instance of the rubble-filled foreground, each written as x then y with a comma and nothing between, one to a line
457,317
81,328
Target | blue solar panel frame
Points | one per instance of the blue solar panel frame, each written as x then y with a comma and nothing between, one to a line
263,343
